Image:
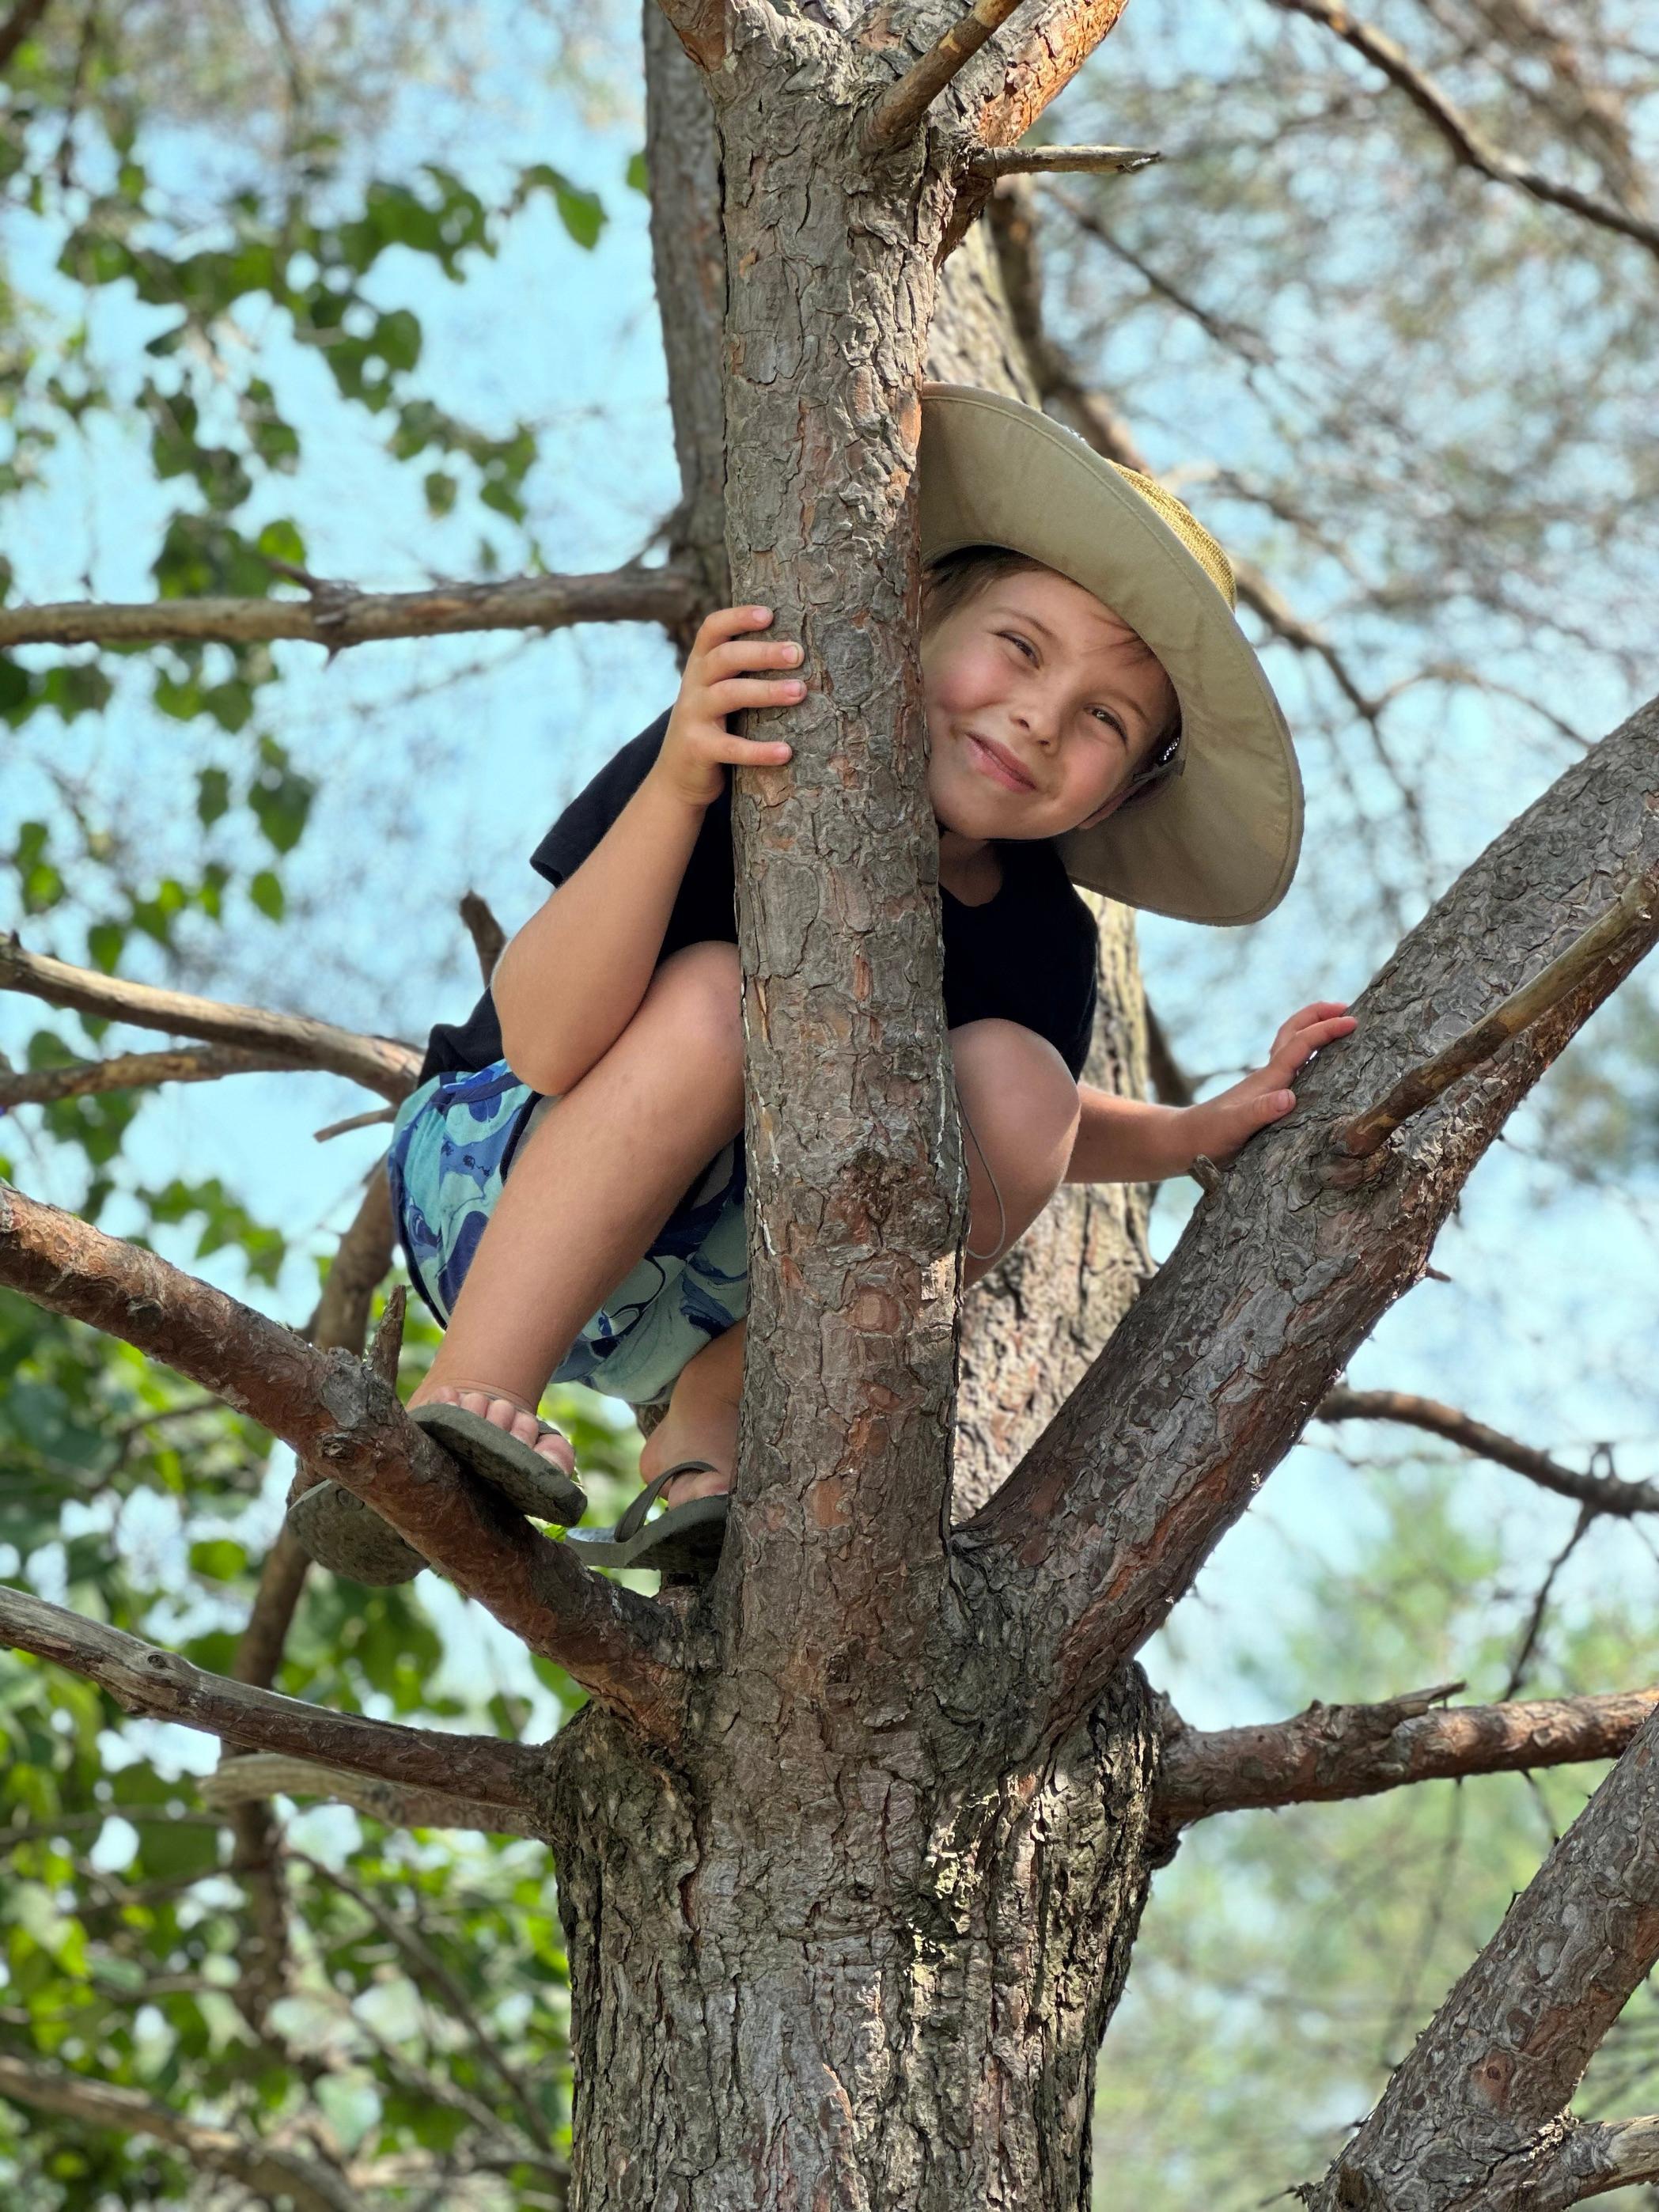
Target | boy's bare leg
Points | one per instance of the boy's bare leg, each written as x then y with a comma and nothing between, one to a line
591,1186
1023,1107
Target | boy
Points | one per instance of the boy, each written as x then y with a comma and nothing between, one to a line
1094,711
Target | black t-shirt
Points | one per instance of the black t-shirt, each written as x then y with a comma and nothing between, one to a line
1026,956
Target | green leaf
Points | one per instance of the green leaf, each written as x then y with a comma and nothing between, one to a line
637,176
105,943
220,1559
212,795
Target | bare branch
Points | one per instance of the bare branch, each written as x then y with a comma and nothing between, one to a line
1460,2122
1214,1370
995,161
332,1410
159,1685
380,1064
1332,1752
1606,1493
135,1071
900,110
261,1774
274,2174
489,938
1471,146
339,615
369,1121
1629,922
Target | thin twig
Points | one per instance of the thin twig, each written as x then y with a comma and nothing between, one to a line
1630,917
1607,1493
1036,160
354,1121
1471,146
900,110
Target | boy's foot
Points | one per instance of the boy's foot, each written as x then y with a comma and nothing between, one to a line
504,1443
505,1413
697,1425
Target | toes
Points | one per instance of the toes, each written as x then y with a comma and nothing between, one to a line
552,1446
525,1427
470,1402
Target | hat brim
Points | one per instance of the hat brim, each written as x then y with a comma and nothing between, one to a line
1219,842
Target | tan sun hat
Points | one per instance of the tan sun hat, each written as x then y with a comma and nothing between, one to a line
1218,841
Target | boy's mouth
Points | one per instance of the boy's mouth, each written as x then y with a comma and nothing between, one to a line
995,761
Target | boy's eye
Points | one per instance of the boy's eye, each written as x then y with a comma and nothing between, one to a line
1110,719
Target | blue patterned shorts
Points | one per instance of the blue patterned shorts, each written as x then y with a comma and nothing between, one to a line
452,1146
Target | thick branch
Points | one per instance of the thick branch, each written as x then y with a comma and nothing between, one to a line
1628,921
275,2175
380,1064
160,1686
337,615
1603,1493
334,1412
261,1774
1507,2049
1052,43
1470,145
135,1071
1212,1374
1332,1752
899,112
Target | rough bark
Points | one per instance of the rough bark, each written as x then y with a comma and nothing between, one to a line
1465,2117
896,2006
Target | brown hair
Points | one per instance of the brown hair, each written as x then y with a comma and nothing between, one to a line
957,578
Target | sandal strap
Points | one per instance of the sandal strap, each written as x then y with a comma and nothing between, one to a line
633,1519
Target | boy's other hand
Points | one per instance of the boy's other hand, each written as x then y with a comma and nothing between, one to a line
1220,1126
697,746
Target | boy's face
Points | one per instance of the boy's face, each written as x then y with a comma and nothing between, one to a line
1041,706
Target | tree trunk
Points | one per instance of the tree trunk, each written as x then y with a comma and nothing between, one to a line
900,2007
809,1969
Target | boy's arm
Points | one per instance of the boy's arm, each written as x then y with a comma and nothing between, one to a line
571,981
1127,1140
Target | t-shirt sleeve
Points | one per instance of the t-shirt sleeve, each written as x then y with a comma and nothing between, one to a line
594,808
705,904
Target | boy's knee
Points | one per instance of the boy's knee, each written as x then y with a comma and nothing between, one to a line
1020,1095
702,986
